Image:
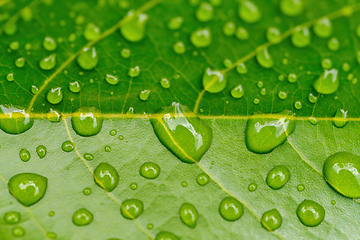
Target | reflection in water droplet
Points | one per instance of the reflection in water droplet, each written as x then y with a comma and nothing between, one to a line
134,30
189,215
264,59
12,217
231,209
74,87
14,120
237,92
249,12
67,146
301,37
49,43
201,37
144,94
106,176
82,217
111,79
340,118
131,208
278,177
55,95
202,179
328,82
91,32
271,220
310,213
87,121
214,81
323,28
48,63
88,58
150,170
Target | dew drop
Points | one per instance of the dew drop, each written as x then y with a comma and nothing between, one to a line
271,220
133,186
310,213
229,29
134,72
20,62
74,87
278,177
12,217
184,134
28,188
53,115
340,118
134,30
264,59
291,7
163,235
328,82
88,156
24,155
125,53
241,33
252,187
273,35
144,94
237,92
231,209
150,170
214,81
301,37
241,68
298,105
15,120
10,77
88,58
87,191
301,187
205,12
14,45
68,146
91,32
48,63
189,215
282,95
87,121
175,23
131,208
18,231
106,176
292,77
249,12
49,43
111,79
202,179
326,63
82,217
179,47
323,28
201,37
165,83
333,44
34,89
55,95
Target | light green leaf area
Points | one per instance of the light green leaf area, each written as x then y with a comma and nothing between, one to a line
263,61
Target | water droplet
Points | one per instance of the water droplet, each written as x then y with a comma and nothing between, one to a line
326,63
134,72
49,43
144,94
189,215
82,217
18,231
41,151
48,63
342,171
53,115
241,68
15,120
91,32
227,63
55,95
51,213
271,220
333,202
229,29
134,30
131,208
150,226
313,120
201,37
333,44
74,87
275,131
10,28
10,77
292,77
310,213
175,23
263,92
340,118
185,135
291,7
252,187
328,82
20,62
125,53
87,121
345,67
273,35
179,47
34,89
184,184
163,235
282,95
323,28
249,12
133,186
264,59
301,187
298,105
107,148
12,217
205,12
87,191
28,188
88,156
111,79
202,179
301,37
106,176
278,177
312,98
150,170
231,209
113,132
121,137
260,84
14,45
214,81
237,92
242,33
165,83
51,235
88,58
67,146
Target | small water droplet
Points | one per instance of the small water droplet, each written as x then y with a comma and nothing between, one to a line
150,226
55,95
51,235
184,184
278,177
249,12
301,37
179,47
214,81
273,35
291,7
189,215
323,28
91,32
121,137
131,208
113,132
134,72
298,105
231,209
175,23
14,45
49,43
205,12
88,58
201,37
87,191
229,29
282,95
87,121
312,98
301,187
18,231
106,176
292,77
252,187
263,91
333,44
165,83
133,186
241,68
271,220
53,115
134,30
15,120
150,170
111,79
202,179
51,213
345,67
107,148
88,156
41,151
340,118
259,84
82,217
34,89
333,202
264,58
328,82
125,53
313,120
12,217
74,87
227,63
20,62
242,33
48,63
144,94
237,92
10,28
326,63
310,213
163,235
10,77
67,146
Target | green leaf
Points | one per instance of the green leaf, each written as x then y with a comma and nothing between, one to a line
179,119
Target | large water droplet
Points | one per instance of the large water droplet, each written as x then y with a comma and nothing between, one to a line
291,7
301,37
150,170
342,172
271,220
189,214
249,12
310,213
131,208
328,82
106,176
201,37
88,58
214,81
184,134
163,235
55,95
28,188
49,43
264,58
87,121
134,30
82,217
263,135
49,62
278,177
231,209
15,120
323,28
91,32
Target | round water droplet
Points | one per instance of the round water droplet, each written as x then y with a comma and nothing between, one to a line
87,191
264,58
24,155
275,131
121,137
292,77
328,82
134,72
273,35
18,231
342,171
10,77
227,63
131,208
12,217
14,120
260,84
205,12
88,156
298,105
291,7
189,215
53,115
231,209
229,29
202,179
150,226
55,95
312,98
175,23
20,62
345,67
301,37
10,28
51,235
237,92
271,220
74,87
282,95
252,187
113,132
340,118
184,184
201,37
28,188
48,63
242,33
14,45
214,81
111,79
326,63
310,213
278,177
241,68
49,43
333,44
179,47
323,28
133,186
333,202
249,12
91,32
125,53
106,176
82,217
87,121
88,58
134,30
301,187
150,170
144,94
51,213
67,146
163,235
165,83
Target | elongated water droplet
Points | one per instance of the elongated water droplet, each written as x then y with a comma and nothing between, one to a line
20,62
278,177
163,235
214,81
237,92
87,121
24,155
41,151
271,220
88,58
55,95
91,32
134,72
28,188
179,47
106,176
340,118
88,156
323,28
184,134
15,120
175,23
202,179
273,35
131,208
263,135
249,12
150,170
264,58
342,172
165,83
291,7
242,33
12,217
189,215
144,94
134,30
82,217
201,37
231,209
49,43
313,120
310,213
48,63
205,12
301,37
229,29
111,79
328,82
75,87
